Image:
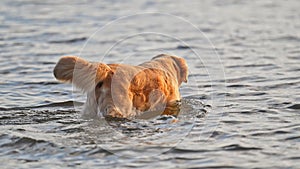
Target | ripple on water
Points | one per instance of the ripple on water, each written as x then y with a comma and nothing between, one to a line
41,132
294,106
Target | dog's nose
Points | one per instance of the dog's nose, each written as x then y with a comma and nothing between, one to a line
108,109
112,112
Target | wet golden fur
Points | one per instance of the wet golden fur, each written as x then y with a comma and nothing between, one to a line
125,91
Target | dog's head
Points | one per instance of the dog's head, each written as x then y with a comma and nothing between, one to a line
174,64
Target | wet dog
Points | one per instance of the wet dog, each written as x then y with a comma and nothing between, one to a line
126,91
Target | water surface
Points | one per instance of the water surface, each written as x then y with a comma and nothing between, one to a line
240,107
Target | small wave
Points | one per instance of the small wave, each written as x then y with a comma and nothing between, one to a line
56,104
237,147
69,40
184,150
287,38
251,65
26,148
41,83
236,121
238,86
294,106
15,142
60,104
293,138
270,133
183,47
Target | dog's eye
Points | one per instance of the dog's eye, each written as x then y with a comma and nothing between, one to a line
99,85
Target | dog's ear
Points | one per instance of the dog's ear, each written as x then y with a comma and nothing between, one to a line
182,69
80,72
64,68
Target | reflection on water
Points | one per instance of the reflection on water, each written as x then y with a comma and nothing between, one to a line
257,126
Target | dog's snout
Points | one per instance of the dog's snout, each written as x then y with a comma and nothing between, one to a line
112,111
108,109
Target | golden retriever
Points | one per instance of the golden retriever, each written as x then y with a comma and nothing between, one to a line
125,91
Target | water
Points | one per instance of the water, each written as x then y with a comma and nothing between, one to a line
240,107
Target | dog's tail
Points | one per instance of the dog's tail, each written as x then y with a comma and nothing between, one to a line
81,73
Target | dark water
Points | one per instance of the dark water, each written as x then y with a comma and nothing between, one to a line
240,108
